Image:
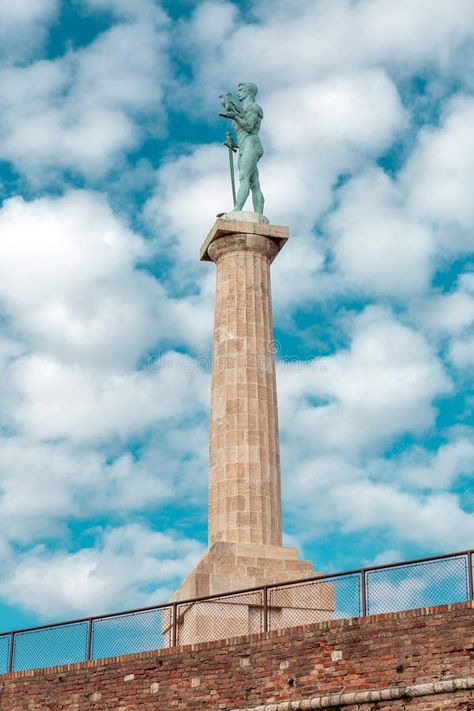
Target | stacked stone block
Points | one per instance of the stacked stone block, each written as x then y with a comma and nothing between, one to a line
245,529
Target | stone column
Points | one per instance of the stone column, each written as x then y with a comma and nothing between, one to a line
244,458
245,546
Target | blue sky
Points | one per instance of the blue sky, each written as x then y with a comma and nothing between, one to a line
111,173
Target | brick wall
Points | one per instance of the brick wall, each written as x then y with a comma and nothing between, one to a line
377,653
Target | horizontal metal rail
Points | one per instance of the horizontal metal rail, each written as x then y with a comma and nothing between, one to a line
173,608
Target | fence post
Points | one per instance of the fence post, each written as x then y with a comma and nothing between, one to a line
363,591
11,653
174,633
265,609
89,639
470,583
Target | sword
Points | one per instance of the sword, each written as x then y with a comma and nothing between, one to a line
229,143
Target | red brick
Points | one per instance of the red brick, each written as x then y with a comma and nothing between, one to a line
399,649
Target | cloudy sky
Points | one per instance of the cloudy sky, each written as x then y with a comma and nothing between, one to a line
111,173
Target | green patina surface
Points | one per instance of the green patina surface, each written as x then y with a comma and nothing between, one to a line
246,116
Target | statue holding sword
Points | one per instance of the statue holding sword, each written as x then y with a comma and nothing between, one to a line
246,118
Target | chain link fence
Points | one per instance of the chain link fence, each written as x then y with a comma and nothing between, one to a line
396,587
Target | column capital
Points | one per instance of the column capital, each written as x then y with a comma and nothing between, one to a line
240,229
242,242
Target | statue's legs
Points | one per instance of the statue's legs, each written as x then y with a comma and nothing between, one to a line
257,195
248,176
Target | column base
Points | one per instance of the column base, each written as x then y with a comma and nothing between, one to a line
232,566
244,216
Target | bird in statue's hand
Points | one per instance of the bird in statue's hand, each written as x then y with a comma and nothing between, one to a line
231,106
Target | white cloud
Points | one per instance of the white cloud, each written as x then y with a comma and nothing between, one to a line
416,33
462,352
317,131
81,111
298,275
33,232
338,415
190,191
72,284
387,556
440,469
342,112
447,314
340,412
23,27
364,397
54,401
440,173
69,281
339,496
436,521
391,234
405,500
280,47
449,319
80,313
46,485
378,245
129,9
92,580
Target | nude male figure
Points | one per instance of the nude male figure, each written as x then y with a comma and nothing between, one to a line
246,121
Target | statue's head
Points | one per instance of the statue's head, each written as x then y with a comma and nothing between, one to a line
245,89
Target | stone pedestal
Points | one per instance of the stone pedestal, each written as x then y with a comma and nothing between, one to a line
245,535
229,566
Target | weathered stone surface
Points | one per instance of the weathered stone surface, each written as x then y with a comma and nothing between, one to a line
244,457
224,560
226,226
245,533
245,216
223,569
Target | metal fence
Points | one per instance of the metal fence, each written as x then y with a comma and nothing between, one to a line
386,588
